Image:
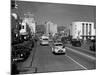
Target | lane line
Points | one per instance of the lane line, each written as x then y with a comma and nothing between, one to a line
76,62
91,57
85,50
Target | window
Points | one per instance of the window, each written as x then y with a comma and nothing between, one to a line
22,27
86,28
90,29
82,28
82,23
86,23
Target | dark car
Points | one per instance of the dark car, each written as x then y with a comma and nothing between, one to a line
76,42
15,37
93,46
20,53
66,40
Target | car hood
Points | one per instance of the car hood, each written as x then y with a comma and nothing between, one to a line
59,47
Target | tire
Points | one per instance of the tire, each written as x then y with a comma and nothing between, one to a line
63,53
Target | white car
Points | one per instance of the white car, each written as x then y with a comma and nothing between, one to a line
44,41
58,48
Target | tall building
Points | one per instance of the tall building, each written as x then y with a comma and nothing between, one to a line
51,27
29,19
83,30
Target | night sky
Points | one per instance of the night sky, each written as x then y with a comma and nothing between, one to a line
60,14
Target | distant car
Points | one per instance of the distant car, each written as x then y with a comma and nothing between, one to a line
50,40
58,48
44,41
58,40
76,42
65,40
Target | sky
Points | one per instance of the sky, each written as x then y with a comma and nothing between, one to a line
60,14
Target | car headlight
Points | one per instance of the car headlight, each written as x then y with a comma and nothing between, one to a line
16,35
21,55
24,37
56,50
64,49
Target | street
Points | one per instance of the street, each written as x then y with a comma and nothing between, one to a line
67,30
42,59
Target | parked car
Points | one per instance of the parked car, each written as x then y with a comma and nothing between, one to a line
58,48
20,53
93,46
65,40
76,42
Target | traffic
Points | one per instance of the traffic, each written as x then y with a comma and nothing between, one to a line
48,47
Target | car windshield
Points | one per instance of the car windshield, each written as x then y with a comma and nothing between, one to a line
45,39
57,44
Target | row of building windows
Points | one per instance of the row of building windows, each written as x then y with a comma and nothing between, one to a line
86,24
86,28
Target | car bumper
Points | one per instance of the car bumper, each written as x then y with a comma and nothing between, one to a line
60,51
44,43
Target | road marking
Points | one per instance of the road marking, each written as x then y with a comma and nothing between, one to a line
85,50
91,57
76,62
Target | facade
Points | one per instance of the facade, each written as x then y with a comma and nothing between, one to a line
23,28
29,19
83,30
51,27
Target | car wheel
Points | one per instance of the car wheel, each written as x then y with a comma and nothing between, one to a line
64,53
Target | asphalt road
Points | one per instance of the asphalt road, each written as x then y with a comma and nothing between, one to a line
42,59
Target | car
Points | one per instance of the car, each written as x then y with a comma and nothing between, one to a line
19,53
76,43
26,37
44,41
58,48
65,40
93,46
50,40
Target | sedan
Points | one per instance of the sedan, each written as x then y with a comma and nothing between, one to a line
20,53
58,48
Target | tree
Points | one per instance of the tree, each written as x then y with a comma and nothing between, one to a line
40,29
61,28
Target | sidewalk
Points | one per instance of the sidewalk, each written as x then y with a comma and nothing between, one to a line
26,66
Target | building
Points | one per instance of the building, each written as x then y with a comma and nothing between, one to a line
29,19
83,30
23,28
14,4
51,28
